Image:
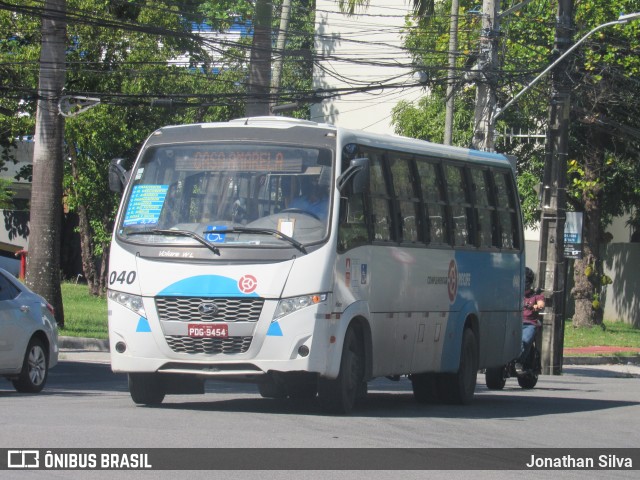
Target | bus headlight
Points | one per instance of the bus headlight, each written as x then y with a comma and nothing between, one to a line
290,305
132,302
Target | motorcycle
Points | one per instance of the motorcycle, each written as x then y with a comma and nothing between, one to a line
496,377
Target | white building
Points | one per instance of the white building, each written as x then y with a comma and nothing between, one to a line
362,51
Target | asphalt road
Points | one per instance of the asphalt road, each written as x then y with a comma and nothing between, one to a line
85,405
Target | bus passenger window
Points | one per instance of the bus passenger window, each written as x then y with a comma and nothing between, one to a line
408,201
352,231
505,199
460,205
434,201
380,200
484,207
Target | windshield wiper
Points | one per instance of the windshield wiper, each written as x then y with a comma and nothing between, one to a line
178,233
262,231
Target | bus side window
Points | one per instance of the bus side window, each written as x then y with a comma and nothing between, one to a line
433,200
507,216
352,231
380,200
461,211
484,204
407,201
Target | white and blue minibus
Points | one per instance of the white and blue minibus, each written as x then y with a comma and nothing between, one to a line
310,259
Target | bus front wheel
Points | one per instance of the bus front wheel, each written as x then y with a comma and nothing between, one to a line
339,395
146,388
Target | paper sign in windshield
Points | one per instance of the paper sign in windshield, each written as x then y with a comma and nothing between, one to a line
145,204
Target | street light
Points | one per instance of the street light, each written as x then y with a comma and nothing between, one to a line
551,260
622,19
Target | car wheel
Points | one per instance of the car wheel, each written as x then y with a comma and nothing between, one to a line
35,368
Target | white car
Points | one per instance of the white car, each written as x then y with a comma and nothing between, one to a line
28,335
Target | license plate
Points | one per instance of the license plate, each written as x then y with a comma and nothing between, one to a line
208,330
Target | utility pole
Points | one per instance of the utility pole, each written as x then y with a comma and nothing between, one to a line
487,62
551,267
451,77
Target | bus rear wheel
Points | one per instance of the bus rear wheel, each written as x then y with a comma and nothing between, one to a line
458,388
425,387
339,395
146,388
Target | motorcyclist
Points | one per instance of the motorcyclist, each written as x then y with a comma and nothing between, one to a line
531,318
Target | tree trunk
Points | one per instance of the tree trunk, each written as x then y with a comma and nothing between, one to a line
260,62
43,272
588,270
86,246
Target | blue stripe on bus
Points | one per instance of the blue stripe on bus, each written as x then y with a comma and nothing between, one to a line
143,325
274,330
205,286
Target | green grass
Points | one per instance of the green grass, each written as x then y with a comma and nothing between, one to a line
615,334
84,314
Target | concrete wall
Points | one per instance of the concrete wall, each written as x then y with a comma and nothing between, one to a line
622,298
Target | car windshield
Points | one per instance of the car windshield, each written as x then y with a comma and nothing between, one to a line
229,195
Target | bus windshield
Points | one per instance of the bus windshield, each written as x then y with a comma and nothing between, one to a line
229,194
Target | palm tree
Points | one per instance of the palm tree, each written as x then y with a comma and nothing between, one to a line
43,272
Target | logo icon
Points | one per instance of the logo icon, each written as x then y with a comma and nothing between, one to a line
452,281
23,459
208,309
247,283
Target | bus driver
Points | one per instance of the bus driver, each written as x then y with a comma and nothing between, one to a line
314,199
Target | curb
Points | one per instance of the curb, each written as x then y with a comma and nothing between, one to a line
602,360
100,345
79,343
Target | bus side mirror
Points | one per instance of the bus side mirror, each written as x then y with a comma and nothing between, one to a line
357,173
118,176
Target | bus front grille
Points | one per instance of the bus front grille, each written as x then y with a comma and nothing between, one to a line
187,309
209,346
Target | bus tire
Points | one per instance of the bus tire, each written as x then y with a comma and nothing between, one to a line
495,378
424,387
271,389
146,388
303,387
339,395
458,388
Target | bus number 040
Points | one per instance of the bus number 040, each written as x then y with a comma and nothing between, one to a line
122,277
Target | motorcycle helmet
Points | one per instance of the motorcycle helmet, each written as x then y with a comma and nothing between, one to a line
528,277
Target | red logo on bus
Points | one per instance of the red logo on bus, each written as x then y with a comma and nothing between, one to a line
247,283
452,283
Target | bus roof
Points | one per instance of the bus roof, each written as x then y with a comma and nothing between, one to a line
345,135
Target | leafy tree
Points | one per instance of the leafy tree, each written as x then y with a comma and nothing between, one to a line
127,67
603,168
